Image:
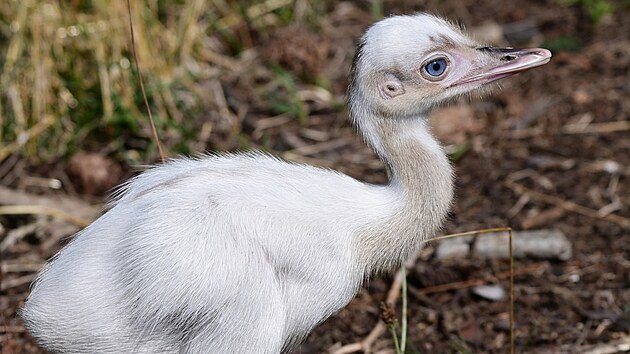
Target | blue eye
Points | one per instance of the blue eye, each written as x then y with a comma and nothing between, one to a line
435,67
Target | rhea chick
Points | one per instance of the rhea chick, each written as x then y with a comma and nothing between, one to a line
245,253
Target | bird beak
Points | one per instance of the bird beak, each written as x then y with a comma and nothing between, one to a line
504,62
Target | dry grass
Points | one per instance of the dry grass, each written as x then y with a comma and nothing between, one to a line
68,82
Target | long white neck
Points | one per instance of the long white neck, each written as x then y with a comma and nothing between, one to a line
420,176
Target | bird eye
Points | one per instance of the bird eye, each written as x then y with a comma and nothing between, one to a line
435,67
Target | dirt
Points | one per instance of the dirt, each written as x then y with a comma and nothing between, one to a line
552,130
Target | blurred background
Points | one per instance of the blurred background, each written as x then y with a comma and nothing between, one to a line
549,153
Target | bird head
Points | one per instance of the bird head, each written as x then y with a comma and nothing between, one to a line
407,64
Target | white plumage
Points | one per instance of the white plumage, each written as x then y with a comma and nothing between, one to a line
246,253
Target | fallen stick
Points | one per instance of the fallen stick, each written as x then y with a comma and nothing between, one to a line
12,329
480,281
618,346
68,205
17,234
21,267
394,292
568,205
42,210
570,129
597,128
63,207
392,295
15,282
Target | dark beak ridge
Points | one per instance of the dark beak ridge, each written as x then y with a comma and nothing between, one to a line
506,62
509,54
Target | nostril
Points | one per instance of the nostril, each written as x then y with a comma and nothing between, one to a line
504,54
508,57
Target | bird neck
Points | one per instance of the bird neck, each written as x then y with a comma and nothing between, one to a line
420,176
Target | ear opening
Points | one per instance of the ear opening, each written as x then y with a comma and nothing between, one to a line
389,86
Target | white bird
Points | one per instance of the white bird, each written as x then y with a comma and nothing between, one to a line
246,253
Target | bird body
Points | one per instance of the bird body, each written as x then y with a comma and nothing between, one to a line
246,253
249,222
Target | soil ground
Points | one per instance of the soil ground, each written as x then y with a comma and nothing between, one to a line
560,130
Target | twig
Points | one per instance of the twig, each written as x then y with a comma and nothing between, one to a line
392,330
144,95
15,282
606,127
42,210
56,229
265,7
15,235
366,344
481,281
12,329
511,271
618,346
394,291
568,205
21,267
104,79
26,136
18,108
403,327
591,128
471,233
582,337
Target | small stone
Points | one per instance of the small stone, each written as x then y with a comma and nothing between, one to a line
489,292
503,325
581,97
471,333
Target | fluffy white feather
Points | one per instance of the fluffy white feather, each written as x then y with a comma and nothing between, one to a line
214,255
